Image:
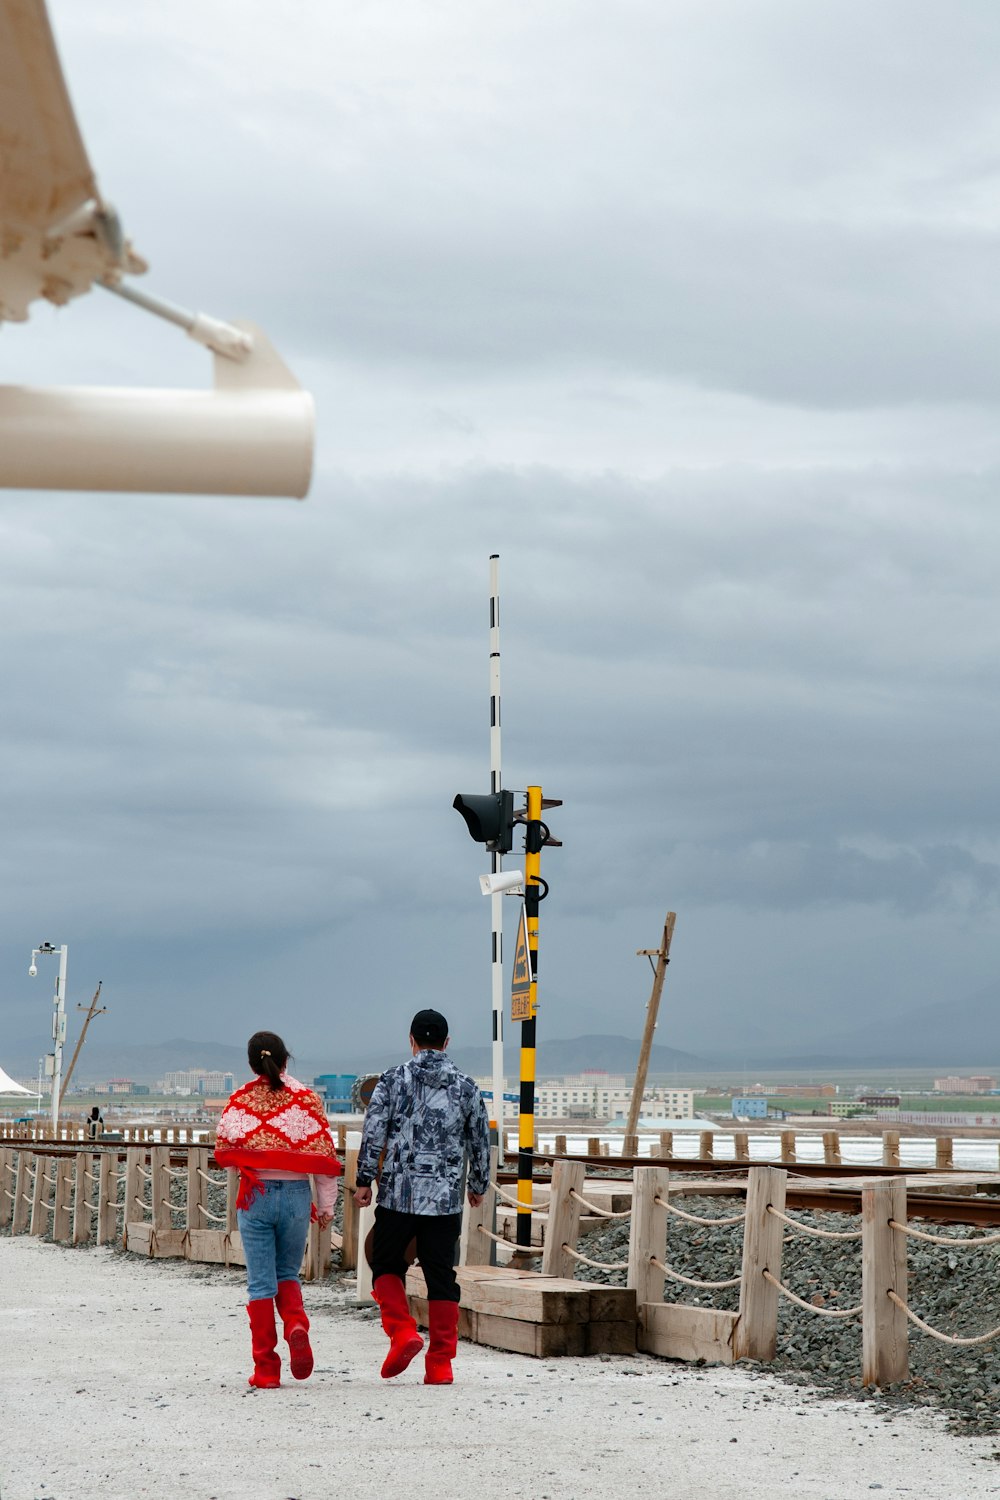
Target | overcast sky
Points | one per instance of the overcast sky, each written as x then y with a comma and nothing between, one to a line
690,310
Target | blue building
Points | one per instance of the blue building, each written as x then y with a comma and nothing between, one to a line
335,1091
750,1109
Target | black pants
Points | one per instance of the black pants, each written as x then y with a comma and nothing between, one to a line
436,1236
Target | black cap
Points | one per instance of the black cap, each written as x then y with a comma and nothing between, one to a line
429,1028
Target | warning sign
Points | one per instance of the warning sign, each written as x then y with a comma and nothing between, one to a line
520,984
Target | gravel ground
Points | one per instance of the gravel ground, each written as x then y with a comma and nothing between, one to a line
956,1292
125,1378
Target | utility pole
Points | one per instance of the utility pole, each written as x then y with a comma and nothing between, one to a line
630,1145
93,1011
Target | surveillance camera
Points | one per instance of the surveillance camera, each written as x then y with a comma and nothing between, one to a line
32,971
509,880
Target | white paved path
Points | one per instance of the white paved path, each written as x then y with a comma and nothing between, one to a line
122,1378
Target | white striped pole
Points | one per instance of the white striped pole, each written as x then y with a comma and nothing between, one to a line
496,900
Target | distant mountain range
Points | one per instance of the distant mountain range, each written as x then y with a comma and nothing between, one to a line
947,1034
147,1062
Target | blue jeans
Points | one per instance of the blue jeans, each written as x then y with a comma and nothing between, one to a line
274,1230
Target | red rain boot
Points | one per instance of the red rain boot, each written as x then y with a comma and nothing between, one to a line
264,1342
443,1319
293,1316
405,1342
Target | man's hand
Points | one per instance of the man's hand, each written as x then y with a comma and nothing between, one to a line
362,1196
324,1221
475,1199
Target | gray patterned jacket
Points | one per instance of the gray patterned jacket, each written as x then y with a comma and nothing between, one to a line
428,1117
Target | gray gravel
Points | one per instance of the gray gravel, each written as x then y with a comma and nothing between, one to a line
956,1292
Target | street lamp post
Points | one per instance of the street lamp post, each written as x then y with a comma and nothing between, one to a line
58,1019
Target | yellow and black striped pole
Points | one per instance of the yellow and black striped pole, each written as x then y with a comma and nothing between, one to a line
534,838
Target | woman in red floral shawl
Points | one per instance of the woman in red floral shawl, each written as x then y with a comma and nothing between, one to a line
274,1131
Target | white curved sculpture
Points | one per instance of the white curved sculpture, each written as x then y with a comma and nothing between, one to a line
253,434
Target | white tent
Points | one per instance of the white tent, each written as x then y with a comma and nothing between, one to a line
8,1086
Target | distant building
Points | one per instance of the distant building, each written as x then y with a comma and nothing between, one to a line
793,1090
589,1097
121,1086
977,1084
878,1101
750,1109
335,1091
199,1081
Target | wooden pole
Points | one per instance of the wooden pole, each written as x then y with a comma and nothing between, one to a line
107,1199
667,1144
630,1145
647,1237
8,1178
91,1013
741,1145
349,1226
197,1188
40,1197
890,1148
563,1227
944,1153
478,1249
135,1189
884,1352
831,1148
756,1335
61,1212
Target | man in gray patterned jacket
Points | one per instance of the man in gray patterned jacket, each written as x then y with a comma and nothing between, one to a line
425,1121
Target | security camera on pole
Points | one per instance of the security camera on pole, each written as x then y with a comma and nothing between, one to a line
58,1019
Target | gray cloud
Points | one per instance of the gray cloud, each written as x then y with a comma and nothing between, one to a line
701,338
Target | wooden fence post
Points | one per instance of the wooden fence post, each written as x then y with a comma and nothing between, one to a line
107,1199
40,1197
161,1179
366,1218
560,1145
741,1145
756,1333
667,1144
563,1226
135,1189
944,1153
82,1200
8,1177
594,1145
349,1225
61,1213
478,1249
788,1146
890,1148
831,1148
884,1351
22,1197
647,1237
197,1188
706,1146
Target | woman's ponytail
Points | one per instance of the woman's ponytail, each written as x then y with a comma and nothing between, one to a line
267,1056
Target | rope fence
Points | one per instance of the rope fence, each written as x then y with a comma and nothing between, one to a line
945,1239
935,1333
669,1271
811,1229
682,1213
821,1312
601,1213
